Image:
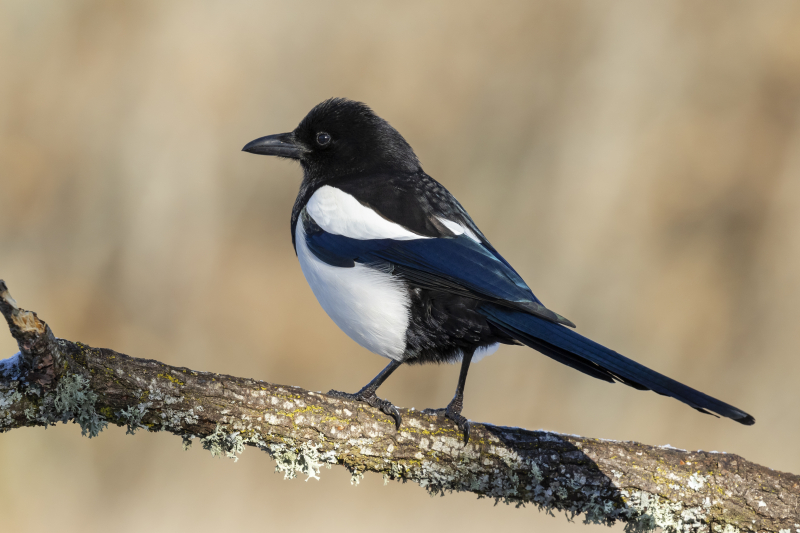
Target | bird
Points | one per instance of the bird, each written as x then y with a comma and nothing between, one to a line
400,266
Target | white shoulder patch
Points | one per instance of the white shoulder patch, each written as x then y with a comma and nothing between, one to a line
371,306
339,213
459,229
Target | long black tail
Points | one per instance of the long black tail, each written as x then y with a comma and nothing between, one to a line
572,349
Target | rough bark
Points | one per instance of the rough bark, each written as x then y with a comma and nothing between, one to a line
52,380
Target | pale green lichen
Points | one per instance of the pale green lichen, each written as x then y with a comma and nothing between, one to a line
598,512
307,459
650,511
356,476
72,399
75,400
518,476
230,445
7,399
696,481
133,416
171,418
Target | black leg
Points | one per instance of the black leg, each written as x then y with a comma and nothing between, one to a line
453,410
367,394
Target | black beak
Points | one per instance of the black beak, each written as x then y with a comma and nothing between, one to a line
281,145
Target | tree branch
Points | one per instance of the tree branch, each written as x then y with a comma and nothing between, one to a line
52,380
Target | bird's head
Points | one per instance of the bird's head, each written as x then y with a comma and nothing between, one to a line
340,137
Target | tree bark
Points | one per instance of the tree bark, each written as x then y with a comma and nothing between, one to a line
54,380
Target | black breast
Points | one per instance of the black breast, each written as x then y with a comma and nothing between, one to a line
443,326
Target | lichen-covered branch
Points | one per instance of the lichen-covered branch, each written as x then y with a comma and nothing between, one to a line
54,380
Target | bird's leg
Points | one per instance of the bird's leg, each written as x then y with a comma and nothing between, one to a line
453,409
367,394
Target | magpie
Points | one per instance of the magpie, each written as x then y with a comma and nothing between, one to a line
400,266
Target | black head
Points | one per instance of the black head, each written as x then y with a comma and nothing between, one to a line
341,137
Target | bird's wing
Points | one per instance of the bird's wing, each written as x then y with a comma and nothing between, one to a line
457,263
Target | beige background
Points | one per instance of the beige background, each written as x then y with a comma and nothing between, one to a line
638,163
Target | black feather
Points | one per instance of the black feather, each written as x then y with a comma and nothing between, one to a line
572,349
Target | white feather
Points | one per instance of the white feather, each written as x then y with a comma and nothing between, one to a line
480,353
486,351
459,229
339,213
371,306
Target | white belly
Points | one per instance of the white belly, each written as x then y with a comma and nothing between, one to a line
371,306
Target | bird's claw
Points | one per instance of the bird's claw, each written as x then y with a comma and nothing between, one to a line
388,408
455,416
372,400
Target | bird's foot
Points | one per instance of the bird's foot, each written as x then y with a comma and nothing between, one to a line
370,398
453,412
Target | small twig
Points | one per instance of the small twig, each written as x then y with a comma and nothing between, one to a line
39,357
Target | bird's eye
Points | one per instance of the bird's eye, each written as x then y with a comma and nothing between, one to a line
323,138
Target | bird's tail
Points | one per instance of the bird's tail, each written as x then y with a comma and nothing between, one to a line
572,349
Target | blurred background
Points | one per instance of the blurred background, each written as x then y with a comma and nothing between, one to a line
638,163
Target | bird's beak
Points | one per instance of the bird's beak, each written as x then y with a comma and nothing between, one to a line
281,145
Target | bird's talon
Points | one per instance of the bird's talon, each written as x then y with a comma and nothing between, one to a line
461,422
387,407
372,400
464,426
392,411
342,395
